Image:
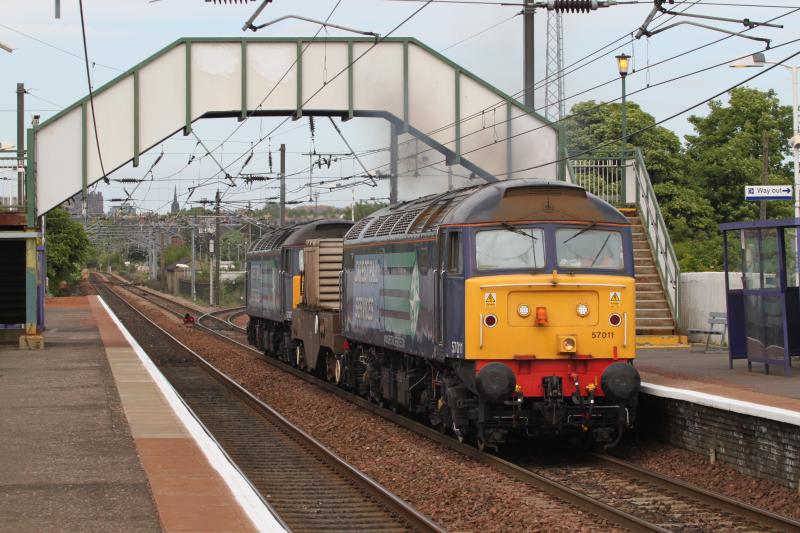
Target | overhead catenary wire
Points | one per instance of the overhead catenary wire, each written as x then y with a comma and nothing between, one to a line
564,72
574,95
41,41
343,70
670,117
664,82
682,54
250,114
224,170
374,184
91,93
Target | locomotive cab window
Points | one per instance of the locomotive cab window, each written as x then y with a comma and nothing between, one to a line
511,247
455,258
585,248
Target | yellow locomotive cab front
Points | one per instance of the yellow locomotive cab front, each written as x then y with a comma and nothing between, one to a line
550,316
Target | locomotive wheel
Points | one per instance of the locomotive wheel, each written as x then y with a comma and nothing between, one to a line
338,371
299,358
440,418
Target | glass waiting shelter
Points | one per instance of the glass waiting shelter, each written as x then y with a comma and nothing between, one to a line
763,298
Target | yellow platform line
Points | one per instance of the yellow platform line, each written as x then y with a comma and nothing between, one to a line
662,341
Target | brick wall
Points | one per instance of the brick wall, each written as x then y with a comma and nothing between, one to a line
755,446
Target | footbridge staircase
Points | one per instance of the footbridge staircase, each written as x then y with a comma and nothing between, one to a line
657,271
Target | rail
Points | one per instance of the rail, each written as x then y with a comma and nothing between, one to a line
578,498
399,512
519,473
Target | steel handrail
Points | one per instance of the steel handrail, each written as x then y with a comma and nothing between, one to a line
655,227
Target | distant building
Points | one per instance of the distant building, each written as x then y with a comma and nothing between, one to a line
122,210
94,204
175,205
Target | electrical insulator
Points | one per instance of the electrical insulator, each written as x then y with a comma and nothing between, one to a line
575,6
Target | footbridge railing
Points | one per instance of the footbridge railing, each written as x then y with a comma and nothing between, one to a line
602,177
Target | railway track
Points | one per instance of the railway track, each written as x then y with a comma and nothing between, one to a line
666,503
310,487
622,493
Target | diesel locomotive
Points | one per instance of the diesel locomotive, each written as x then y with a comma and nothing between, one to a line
495,312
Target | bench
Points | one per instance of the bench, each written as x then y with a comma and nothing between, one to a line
714,320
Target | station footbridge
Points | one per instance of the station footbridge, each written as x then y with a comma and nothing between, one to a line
459,119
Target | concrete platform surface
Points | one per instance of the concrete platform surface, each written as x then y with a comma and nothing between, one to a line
67,457
88,441
709,373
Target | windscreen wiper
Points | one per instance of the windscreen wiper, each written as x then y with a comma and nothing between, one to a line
518,231
600,250
581,232
524,233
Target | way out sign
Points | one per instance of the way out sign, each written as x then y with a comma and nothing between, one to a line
768,192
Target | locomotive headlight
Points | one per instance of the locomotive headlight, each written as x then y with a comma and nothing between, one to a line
582,309
523,310
567,343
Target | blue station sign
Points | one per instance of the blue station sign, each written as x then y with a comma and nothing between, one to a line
768,192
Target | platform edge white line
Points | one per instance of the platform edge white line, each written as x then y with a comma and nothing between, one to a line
250,502
776,414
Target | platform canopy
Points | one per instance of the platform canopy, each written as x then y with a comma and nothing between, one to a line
461,116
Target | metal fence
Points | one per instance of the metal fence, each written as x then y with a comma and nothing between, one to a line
600,177
9,185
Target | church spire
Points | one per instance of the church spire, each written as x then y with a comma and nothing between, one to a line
175,205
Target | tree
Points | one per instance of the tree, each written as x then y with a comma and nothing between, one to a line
67,248
232,244
595,130
702,184
725,153
175,252
687,213
364,209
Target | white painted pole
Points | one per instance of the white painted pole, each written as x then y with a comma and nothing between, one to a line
795,152
194,274
796,156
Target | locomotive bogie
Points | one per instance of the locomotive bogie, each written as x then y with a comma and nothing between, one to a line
318,333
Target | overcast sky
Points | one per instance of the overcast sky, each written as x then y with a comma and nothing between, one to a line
49,60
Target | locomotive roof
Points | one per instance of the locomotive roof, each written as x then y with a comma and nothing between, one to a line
299,233
503,201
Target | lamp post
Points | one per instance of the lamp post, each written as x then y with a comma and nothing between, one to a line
623,61
757,60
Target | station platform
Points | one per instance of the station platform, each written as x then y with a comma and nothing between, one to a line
692,371
95,439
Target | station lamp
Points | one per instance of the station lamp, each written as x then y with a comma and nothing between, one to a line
756,60
623,62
